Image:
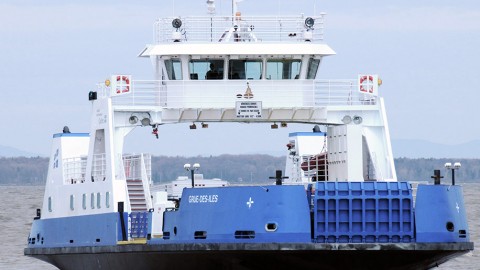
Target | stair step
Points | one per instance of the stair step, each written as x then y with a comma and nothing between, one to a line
136,191
133,196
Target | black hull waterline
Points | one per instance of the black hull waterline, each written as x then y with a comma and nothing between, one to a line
252,256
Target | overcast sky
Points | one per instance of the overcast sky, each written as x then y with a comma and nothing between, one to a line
52,53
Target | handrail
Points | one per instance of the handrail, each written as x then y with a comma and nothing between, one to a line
239,29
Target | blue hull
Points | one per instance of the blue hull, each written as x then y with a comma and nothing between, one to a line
334,225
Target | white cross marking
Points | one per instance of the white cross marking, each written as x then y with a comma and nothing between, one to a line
458,208
250,202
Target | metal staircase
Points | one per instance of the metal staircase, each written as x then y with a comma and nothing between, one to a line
136,195
138,175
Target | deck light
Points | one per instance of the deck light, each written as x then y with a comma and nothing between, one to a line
204,125
192,170
274,126
455,166
193,126
283,124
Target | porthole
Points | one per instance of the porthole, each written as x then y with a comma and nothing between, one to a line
450,226
271,226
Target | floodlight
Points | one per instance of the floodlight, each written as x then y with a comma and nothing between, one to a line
309,22
177,23
133,120
347,119
145,121
187,166
357,120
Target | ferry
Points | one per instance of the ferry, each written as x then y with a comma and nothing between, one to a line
336,205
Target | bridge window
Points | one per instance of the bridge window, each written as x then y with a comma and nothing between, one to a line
49,204
174,69
206,69
245,69
84,201
283,69
312,68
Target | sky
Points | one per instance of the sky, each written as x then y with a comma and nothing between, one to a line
52,53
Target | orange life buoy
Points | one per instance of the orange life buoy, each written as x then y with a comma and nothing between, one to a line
126,80
370,82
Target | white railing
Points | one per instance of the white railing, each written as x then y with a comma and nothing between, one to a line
224,93
74,169
137,166
99,167
239,29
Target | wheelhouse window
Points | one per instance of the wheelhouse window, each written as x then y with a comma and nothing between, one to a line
312,68
245,69
174,69
206,69
283,69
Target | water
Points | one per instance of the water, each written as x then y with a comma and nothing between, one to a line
19,204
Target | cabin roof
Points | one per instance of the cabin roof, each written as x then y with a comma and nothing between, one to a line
218,49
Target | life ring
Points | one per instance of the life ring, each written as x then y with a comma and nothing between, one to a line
370,82
125,80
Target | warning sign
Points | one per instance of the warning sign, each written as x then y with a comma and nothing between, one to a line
249,109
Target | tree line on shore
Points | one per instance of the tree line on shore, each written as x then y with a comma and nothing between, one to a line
244,169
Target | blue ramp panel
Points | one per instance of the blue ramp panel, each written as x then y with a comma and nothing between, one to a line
363,212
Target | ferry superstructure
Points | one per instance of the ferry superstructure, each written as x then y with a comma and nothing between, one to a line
339,206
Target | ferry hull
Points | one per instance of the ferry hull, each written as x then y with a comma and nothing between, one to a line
253,256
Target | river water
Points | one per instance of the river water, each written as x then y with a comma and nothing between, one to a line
19,204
